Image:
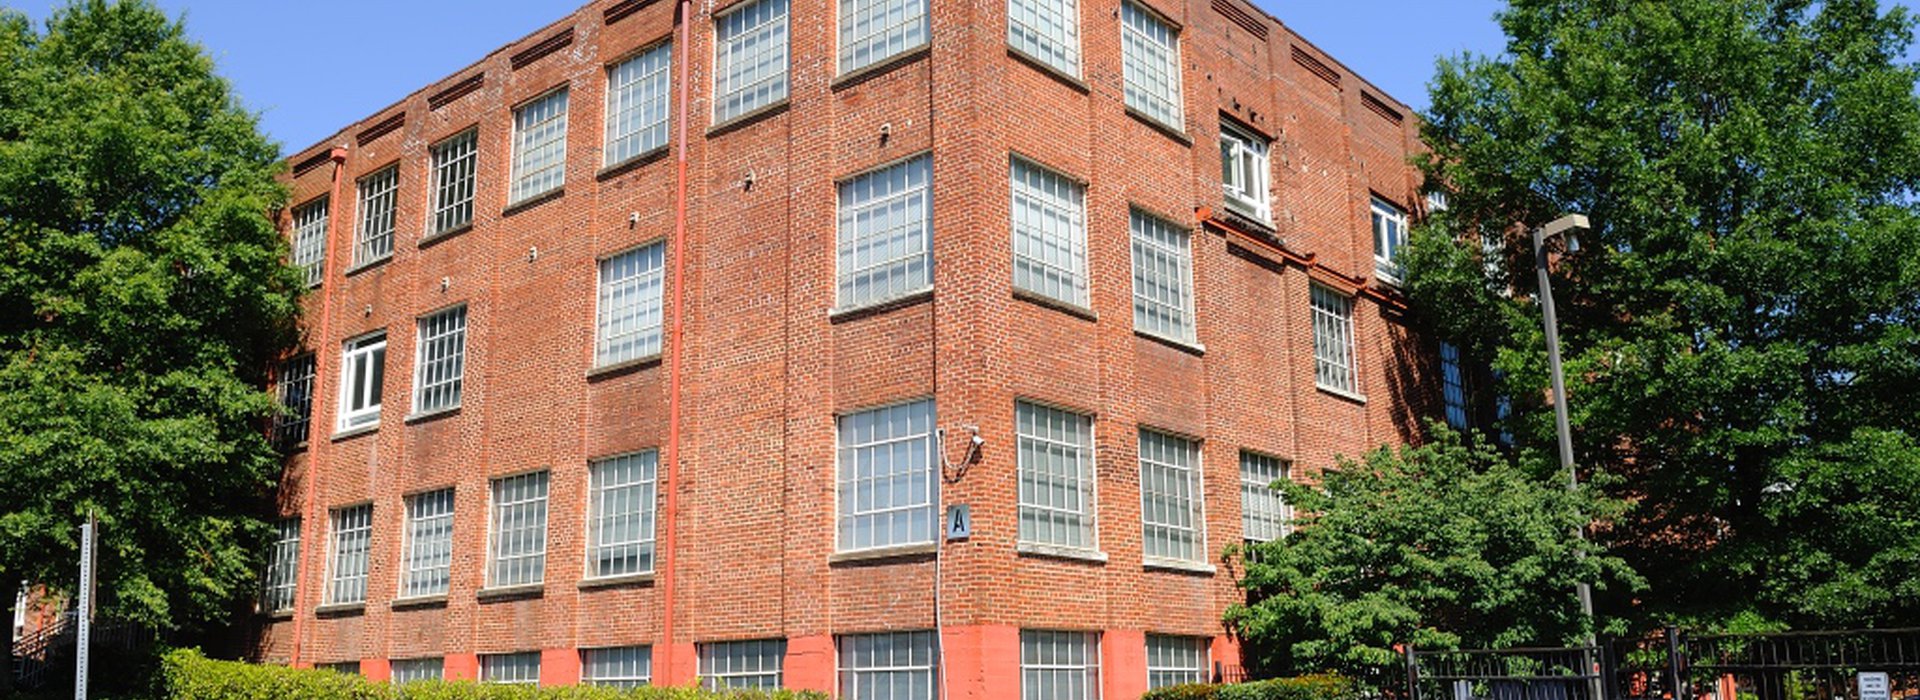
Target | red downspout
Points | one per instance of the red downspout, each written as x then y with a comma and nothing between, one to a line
316,446
670,466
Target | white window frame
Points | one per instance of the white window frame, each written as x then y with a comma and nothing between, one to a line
440,358
1163,293
863,440
1389,236
1150,54
510,668
1244,155
529,529
293,387
639,88
1047,32
641,489
911,30
372,349
456,162
889,666
747,26
349,553
1335,367
885,233
379,197
404,671
721,669
617,667
1057,517
539,146
280,585
1264,513
630,311
1034,664
426,563
310,240
1182,487
1162,670
1049,226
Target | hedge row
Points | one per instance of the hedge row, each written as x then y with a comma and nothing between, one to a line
1301,688
186,675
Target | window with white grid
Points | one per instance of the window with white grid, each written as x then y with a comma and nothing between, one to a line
1453,386
351,668
874,30
440,361
750,57
373,240
1264,515
522,668
887,666
617,667
886,239
1389,236
1333,341
283,567
637,91
1049,233
742,665
1055,464
454,163
1047,31
1175,660
1170,516
886,477
351,536
1059,665
1150,59
429,548
405,671
1162,278
363,372
293,384
1244,173
310,239
631,289
539,147
518,555
620,513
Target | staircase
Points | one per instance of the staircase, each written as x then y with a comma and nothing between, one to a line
47,654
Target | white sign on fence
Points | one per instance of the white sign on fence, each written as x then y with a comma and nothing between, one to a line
1874,686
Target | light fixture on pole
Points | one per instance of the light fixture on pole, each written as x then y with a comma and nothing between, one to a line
1568,226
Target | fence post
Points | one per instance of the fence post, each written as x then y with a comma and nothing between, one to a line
1674,686
1413,674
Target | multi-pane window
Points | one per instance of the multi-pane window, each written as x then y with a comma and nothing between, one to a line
351,537
283,567
1333,341
1243,172
886,241
441,361
519,531
1389,235
453,175
751,56
874,30
1170,519
889,666
620,512
1453,386
351,668
1055,464
1162,278
1263,510
886,477
1150,58
521,668
363,369
429,547
631,284
1047,31
294,386
1175,660
1049,233
742,665
617,667
405,671
637,91
1059,665
539,147
310,239
373,240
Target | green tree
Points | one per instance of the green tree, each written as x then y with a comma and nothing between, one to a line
1742,352
1449,544
143,294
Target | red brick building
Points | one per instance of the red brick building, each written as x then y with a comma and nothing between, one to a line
664,342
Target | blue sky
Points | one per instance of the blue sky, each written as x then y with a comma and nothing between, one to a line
311,67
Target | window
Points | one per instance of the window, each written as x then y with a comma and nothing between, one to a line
750,53
1049,234
1059,665
519,546
637,91
1047,31
742,665
1162,278
891,666
886,242
886,477
351,668
283,567
1170,518
442,361
521,668
1244,173
1333,341
1453,386
620,510
1150,53
873,30
1389,235
539,147
617,667
347,567
363,369
373,241
294,386
429,548
310,239
631,285
1264,516
1056,476
1175,660
409,670
453,174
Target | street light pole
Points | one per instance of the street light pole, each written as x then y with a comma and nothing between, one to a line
1562,425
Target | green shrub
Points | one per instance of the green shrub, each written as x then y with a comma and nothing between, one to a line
1185,691
1315,687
